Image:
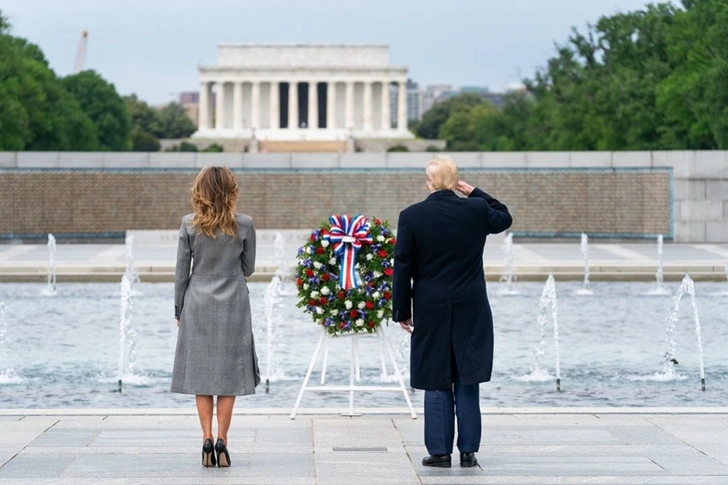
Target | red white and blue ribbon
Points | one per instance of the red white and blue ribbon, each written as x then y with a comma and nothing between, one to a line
347,235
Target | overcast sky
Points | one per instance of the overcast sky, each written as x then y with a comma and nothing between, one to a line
153,47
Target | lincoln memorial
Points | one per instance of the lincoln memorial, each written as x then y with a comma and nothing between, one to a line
302,93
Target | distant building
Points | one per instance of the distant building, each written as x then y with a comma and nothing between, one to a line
431,95
415,101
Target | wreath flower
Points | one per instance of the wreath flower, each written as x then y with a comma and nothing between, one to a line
344,274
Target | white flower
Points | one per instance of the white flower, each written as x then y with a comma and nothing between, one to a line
319,310
315,294
348,304
375,295
325,290
332,261
361,305
380,238
324,243
376,274
308,249
391,261
305,286
333,312
317,265
370,256
380,314
360,323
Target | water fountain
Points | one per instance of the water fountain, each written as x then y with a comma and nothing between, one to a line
51,277
585,253
130,271
547,307
686,286
508,266
127,352
283,272
271,315
7,373
660,289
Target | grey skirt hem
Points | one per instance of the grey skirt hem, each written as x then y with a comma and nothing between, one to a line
207,393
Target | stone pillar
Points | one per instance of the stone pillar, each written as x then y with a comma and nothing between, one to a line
349,105
367,106
312,105
203,117
255,105
402,106
292,105
386,107
275,106
330,105
238,106
220,106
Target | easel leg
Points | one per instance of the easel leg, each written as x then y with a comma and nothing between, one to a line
352,374
308,374
356,358
393,359
381,358
326,359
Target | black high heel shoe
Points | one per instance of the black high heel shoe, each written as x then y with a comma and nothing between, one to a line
208,454
223,457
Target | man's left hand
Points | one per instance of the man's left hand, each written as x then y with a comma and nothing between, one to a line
406,325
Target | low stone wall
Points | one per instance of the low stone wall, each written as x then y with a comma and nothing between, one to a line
546,202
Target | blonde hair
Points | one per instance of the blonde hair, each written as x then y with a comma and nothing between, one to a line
442,173
214,197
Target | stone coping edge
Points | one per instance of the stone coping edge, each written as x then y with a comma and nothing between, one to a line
485,411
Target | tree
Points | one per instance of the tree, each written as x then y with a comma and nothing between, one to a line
144,142
144,118
174,122
36,113
104,106
433,120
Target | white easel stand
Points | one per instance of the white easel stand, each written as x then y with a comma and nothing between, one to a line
354,372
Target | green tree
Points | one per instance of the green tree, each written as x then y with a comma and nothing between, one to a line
144,118
36,113
144,142
437,116
104,106
174,122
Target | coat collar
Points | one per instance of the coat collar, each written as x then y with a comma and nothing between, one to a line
440,194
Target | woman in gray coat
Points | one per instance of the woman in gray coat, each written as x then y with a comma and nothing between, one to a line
215,350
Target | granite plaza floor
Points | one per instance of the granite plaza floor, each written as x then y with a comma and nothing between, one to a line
520,447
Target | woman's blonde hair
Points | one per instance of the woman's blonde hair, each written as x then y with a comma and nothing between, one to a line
214,196
442,173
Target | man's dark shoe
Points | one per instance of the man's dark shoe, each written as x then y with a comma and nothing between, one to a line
468,459
441,461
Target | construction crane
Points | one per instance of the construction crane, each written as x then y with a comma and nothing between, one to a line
81,53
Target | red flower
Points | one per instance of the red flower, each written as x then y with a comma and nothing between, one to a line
369,305
299,282
312,302
324,232
394,240
387,295
312,238
388,271
377,222
341,295
325,277
309,273
324,300
371,324
342,325
319,250
353,313
382,253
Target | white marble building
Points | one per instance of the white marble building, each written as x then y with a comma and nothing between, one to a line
302,92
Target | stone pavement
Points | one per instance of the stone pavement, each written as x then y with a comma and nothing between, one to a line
520,447
155,252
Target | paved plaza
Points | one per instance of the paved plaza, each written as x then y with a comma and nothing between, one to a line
154,258
558,447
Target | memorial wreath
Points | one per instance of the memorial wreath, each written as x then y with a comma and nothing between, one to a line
344,274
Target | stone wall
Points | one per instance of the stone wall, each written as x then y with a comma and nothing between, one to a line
561,202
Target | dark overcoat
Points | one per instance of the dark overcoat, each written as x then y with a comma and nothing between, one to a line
440,284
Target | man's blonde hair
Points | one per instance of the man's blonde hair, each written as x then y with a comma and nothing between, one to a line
442,173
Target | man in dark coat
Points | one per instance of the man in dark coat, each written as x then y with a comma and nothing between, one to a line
438,273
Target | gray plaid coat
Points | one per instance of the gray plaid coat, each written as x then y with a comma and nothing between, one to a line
215,349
